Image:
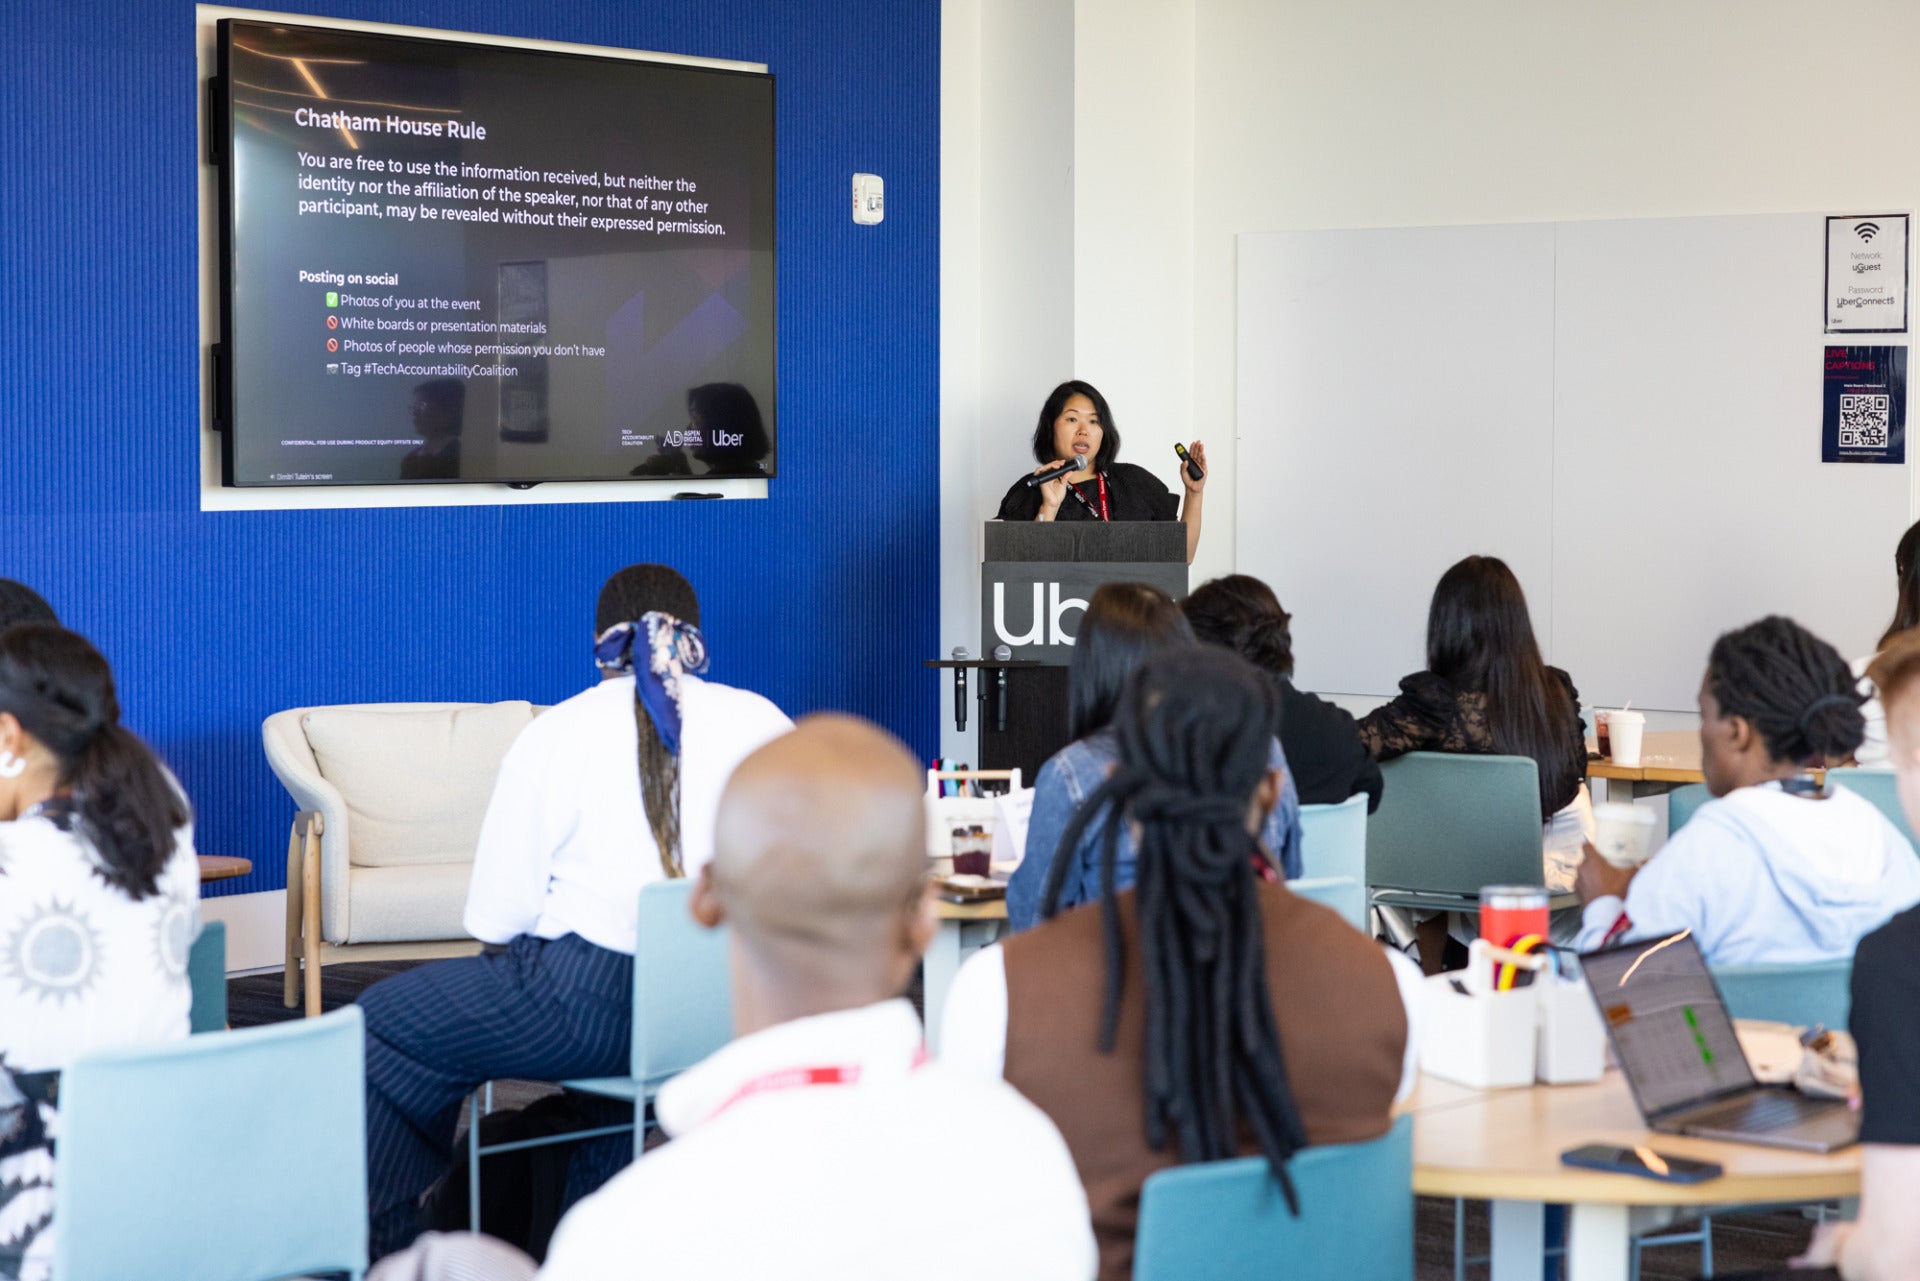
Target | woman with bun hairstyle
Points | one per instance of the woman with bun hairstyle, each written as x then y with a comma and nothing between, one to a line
99,899
1321,741
1777,870
1872,751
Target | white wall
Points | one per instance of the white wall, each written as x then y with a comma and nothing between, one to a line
1006,276
1365,113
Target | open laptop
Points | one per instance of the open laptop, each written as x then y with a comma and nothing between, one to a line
1675,1042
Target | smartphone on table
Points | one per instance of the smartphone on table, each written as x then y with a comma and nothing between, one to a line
1644,1162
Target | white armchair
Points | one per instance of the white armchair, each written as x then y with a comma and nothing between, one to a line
391,797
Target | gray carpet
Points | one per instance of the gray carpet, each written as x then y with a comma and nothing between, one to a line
1741,1242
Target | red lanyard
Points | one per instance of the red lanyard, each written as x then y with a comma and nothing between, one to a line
1104,513
806,1078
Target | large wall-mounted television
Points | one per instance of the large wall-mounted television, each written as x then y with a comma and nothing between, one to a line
447,261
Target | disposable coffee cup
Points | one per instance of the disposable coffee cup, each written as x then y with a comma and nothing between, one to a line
1623,833
1624,730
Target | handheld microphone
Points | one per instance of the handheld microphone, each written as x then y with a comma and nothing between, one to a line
1058,470
960,691
1193,468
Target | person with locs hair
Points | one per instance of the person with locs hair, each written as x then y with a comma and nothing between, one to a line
614,787
1777,870
1206,1012
99,897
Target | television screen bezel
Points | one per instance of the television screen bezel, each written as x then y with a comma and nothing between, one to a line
223,363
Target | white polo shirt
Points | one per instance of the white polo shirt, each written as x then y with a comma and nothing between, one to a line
565,846
782,1167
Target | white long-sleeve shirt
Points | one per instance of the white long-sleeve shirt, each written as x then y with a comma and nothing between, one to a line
1765,877
565,846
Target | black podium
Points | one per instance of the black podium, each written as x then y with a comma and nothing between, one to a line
1035,582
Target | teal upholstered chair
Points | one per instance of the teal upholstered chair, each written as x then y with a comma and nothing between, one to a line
682,1012
207,972
1341,893
1682,801
233,1156
1449,824
1804,994
1227,1221
1877,785
1333,840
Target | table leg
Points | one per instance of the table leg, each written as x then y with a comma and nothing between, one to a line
1617,791
1598,1242
1519,1240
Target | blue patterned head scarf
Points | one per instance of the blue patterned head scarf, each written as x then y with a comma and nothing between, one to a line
668,649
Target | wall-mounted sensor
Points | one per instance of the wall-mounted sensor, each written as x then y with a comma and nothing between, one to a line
869,199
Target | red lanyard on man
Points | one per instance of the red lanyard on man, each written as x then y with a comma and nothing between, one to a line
805,1078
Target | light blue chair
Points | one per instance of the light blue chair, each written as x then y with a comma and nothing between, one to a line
1341,893
234,1156
207,972
1333,840
1682,802
1803,994
682,1012
1227,1221
1878,787
1449,824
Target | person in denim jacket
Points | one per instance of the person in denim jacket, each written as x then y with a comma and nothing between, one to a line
1125,624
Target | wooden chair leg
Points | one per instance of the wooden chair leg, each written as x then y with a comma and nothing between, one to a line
296,881
310,916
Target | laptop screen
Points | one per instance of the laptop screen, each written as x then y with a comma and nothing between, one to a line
1670,1032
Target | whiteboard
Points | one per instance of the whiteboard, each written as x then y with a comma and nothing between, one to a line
1395,393
1628,412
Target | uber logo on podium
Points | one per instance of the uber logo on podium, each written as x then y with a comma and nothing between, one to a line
1034,607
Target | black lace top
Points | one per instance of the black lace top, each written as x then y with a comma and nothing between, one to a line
1430,715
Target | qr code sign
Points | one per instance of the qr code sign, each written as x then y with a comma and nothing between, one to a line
1864,420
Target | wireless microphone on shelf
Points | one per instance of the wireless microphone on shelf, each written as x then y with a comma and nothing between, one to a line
1003,655
1193,468
960,690
1058,470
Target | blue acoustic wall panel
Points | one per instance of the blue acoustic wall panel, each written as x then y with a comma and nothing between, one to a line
824,596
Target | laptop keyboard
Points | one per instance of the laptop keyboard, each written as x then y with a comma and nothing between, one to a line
1759,1111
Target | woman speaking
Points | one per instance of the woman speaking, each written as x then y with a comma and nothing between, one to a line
1075,423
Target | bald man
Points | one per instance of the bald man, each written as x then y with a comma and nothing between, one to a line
822,1143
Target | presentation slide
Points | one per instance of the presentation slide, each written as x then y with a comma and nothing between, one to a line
447,261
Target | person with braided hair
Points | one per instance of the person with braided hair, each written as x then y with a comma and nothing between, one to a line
615,787
1205,1012
1777,870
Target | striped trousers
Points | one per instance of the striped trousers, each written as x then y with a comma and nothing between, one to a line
541,1010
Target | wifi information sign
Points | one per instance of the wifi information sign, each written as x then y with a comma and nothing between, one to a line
1867,274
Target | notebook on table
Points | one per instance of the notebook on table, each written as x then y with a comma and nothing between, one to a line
1675,1043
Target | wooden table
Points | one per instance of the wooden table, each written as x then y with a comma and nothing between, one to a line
1504,1146
965,928
1668,758
222,867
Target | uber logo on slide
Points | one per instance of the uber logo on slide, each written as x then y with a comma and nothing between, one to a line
1049,615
